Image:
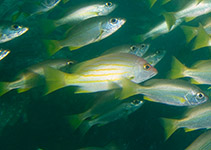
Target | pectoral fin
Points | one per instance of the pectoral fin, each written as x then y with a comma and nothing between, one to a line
99,37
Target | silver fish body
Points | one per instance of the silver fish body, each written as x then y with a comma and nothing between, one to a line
91,30
9,31
102,73
171,92
136,49
76,16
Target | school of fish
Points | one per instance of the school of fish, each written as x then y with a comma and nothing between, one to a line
124,77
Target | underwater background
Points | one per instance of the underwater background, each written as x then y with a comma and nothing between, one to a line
30,121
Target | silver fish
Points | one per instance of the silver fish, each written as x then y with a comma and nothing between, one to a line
9,31
171,92
136,49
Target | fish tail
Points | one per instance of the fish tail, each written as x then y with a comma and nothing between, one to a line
139,38
56,79
128,89
177,69
190,32
74,121
202,39
163,2
4,88
170,19
84,127
52,46
47,25
151,3
65,1
16,15
170,126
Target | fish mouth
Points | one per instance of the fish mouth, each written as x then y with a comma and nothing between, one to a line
24,30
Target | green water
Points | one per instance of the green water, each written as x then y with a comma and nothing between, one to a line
30,121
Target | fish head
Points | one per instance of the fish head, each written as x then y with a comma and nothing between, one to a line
133,105
106,8
60,63
14,31
156,57
139,49
143,71
111,25
50,3
196,97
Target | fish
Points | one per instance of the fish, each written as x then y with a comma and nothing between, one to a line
166,91
101,73
30,8
105,103
136,49
32,76
81,14
89,31
196,118
9,31
153,59
3,53
190,12
160,29
199,73
203,142
122,110
202,35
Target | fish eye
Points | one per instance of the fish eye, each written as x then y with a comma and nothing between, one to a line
131,77
109,4
133,48
69,62
136,102
15,26
114,20
157,52
200,95
147,66
143,45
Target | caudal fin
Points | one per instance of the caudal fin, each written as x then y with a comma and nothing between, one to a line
4,88
163,2
151,3
170,19
47,25
84,127
170,126
139,38
52,46
190,32
128,89
177,69
202,39
55,79
75,121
